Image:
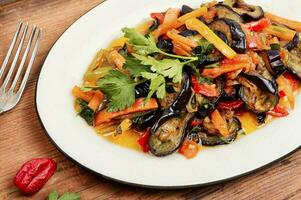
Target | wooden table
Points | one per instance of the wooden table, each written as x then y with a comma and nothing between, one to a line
22,137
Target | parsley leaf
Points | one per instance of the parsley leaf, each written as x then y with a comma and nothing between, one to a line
157,84
69,196
204,48
134,67
53,196
171,68
147,45
119,88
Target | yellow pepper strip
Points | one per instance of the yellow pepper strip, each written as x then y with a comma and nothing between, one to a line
117,58
285,85
196,13
280,32
181,39
289,23
209,35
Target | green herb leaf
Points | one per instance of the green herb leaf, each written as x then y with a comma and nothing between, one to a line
147,45
119,88
203,79
171,68
53,195
157,84
135,67
69,196
203,49
86,113
214,65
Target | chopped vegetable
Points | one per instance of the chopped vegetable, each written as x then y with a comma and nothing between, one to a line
158,16
181,39
194,14
289,23
293,81
143,141
125,125
86,96
86,112
96,100
280,32
204,88
189,149
258,25
219,123
140,105
205,31
117,58
231,105
285,85
278,111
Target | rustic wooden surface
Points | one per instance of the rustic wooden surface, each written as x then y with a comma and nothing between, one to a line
22,137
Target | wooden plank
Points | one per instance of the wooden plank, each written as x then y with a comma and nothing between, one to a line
22,137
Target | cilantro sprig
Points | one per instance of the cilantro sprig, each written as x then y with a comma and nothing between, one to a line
147,45
66,196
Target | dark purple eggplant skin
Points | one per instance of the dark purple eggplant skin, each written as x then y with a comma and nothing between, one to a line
142,89
185,9
188,32
233,96
224,11
273,62
269,86
293,43
165,45
248,12
236,37
146,120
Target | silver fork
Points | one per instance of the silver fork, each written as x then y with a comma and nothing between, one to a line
10,95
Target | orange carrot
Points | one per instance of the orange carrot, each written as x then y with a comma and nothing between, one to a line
179,50
215,72
181,39
86,96
170,20
219,123
140,105
117,59
182,45
189,149
96,100
289,23
285,85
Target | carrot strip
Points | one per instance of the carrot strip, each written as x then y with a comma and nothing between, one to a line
181,39
179,50
117,58
289,23
219,123
96,100
76,91
140,105
207,33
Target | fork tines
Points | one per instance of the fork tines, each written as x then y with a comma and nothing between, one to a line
14,73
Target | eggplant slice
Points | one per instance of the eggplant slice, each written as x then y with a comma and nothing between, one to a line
248,12
232,30
293,43
214,138
273,62
224,11
169,128
265,84
256,99
169,136
293,61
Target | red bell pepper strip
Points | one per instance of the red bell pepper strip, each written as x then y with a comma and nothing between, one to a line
203,88
231,105
196,122
189,149
278,111
143,141
34,174
293,81
158,16
258,25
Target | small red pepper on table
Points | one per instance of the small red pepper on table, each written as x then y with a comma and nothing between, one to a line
143,140
34,174
231,105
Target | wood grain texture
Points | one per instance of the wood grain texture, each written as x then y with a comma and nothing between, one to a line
22,137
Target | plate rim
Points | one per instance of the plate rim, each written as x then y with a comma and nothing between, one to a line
120,181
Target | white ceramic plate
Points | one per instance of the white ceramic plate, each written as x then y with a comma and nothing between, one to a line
68,60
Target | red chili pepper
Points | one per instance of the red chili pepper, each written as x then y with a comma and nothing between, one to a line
158,16
34,174
143,141
259,25
196,122
279,111
281,94
293,81
203,88
231,105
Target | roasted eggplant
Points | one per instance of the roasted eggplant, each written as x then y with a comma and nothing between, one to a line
273,62
170,135
231,93
169,128
248,12
232,30
186,9
212,137
164,44
142,89
265,84
188,32
147,120
224,11
293,60
256,99
293,43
